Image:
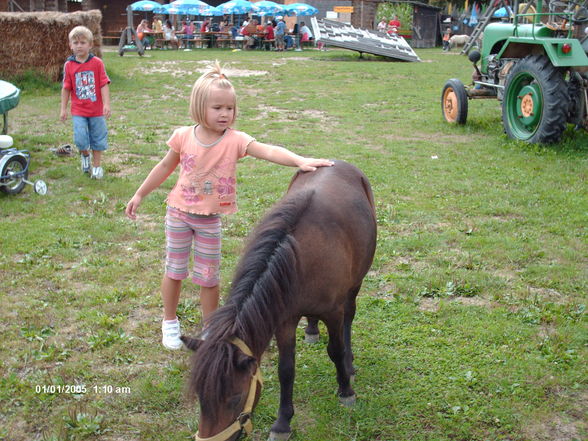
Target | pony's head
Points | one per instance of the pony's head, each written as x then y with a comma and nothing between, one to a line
227,381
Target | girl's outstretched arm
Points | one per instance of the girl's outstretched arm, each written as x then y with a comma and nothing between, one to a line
156,177
283,156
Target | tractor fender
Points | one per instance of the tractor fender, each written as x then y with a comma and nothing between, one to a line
521,47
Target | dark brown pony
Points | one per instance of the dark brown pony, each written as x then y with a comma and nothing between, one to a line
307,257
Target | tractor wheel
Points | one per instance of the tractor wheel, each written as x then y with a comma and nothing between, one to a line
13,184
454,102
535,103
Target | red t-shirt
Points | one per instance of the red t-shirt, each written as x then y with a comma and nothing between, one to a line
269,33
85,81
395,23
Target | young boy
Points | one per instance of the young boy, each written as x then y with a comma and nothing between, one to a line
85,79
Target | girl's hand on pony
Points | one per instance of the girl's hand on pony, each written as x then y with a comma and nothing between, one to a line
311,164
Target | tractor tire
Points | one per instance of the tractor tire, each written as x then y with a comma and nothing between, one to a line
14,185
454,102
535,103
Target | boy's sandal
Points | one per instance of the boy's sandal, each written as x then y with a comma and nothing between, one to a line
63,150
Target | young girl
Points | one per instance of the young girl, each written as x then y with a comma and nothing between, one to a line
206,188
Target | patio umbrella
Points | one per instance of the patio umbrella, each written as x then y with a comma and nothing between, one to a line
266,7
300,9
211,11
236,7
144,6
189,7
168,9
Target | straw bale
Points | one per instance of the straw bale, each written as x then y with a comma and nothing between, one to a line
38,41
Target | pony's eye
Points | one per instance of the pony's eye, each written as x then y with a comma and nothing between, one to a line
234,401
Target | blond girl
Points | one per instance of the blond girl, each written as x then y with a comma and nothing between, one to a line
207,154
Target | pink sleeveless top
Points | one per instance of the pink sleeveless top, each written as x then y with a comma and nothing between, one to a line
207,182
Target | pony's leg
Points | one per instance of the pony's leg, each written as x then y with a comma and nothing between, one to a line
286,341
311,332
337,352
350,308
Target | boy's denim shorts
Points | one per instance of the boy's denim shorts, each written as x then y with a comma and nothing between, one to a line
90,132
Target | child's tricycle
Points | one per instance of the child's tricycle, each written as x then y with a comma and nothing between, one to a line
14,163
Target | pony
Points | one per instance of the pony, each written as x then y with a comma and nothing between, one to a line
458,40
307,257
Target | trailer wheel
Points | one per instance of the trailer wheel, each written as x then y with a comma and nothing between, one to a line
13,184
454,102
535,104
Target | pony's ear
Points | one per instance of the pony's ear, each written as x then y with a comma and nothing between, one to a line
191,343
243,361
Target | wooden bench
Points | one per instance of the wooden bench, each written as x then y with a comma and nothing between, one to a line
111,38
163,43
195,42
224,42
267,44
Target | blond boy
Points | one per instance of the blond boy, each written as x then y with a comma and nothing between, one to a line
86,81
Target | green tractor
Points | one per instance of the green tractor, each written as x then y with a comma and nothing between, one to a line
535,63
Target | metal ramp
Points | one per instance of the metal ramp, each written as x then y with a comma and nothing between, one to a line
334,33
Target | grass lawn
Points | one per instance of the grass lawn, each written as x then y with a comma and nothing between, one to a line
471,324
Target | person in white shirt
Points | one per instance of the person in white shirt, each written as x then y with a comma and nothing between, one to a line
305,33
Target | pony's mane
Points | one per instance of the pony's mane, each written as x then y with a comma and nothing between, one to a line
263,286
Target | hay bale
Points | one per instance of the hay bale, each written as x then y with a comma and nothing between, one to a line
38,41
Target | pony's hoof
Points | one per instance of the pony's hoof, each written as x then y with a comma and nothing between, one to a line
347,401
279,436
311,338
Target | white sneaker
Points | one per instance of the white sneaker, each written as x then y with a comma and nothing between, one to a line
97,173
171,335
85,164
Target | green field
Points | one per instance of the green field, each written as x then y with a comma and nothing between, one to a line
471,324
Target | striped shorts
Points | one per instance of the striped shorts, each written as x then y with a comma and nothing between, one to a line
205,231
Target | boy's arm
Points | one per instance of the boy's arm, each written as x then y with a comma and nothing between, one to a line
282,156
156,177
106,99
64,100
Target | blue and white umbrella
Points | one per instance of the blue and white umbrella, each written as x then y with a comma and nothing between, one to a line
211,11
168,9
266,7
145,6
189,7
236,7
300,9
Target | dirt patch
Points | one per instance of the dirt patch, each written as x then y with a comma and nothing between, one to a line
558,428
547,295
431,304
186,68
287,115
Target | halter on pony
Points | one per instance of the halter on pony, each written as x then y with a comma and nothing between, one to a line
243,421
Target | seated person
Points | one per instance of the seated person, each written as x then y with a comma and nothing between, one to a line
305,33
269,35
249,32
169,35
141,33
205,24
289,41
